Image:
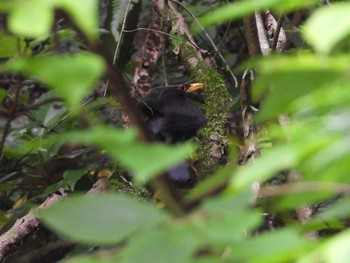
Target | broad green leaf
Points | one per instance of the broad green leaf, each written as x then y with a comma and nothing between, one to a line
71,177
84,14
276,246
100,219
71,76
327,26
148,160
291,200
284,79
226,219
6,5
266,166
144,161
324,101
313,67
233,11
120,9
9,45
173,244
334,250
31,18
211,184
2,94
332,213
227,229
227,204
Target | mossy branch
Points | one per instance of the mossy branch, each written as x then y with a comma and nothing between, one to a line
212,137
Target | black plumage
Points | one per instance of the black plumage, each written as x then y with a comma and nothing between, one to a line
173,117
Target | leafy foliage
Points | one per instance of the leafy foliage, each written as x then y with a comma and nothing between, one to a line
243,8
80,73
113,218
119,11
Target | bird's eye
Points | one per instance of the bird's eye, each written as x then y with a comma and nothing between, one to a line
183,88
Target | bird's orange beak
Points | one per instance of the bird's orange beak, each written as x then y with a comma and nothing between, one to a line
194,86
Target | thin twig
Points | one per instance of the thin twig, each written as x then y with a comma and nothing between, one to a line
146,29
121,33
118,43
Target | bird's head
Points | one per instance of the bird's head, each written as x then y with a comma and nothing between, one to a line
190,88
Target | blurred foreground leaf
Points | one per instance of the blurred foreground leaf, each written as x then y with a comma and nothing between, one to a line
173,244
323,29
100,219
284,79
233,11
144,161
335,250
34,23
38,21
72,77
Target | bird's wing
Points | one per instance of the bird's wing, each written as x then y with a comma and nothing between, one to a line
183,122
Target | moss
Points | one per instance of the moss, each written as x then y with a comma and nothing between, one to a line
184,49
212,137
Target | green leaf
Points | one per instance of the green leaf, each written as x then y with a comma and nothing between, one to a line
38,21
327,26
230,228
71,76
334,250
289,201
174,244
268,164
292,77
2,94
100,219
31,18
143,160
84,13
120,9
9,45
7,5
240,9
210,184
226,219
276,246
148,160
339,210
71,177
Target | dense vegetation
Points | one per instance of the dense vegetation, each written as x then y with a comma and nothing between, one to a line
83,177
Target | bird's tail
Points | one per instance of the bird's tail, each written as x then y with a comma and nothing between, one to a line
179,172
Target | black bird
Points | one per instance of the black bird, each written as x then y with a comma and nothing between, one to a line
173,117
